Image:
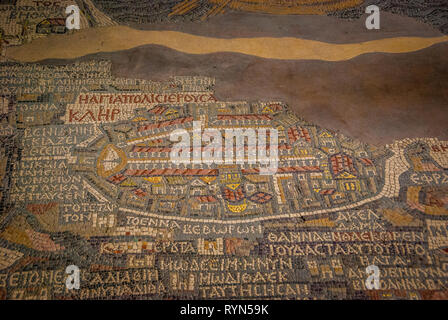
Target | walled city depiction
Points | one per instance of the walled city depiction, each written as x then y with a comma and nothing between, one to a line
223,150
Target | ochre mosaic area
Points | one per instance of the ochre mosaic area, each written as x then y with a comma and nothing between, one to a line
22,21
87,180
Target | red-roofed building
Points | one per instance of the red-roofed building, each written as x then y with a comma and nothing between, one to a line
342,163
296,133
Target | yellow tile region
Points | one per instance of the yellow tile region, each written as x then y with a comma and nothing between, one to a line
108,39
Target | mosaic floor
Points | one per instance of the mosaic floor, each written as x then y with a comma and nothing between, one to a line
88,179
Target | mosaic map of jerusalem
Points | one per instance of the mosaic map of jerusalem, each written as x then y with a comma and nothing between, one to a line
347,167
